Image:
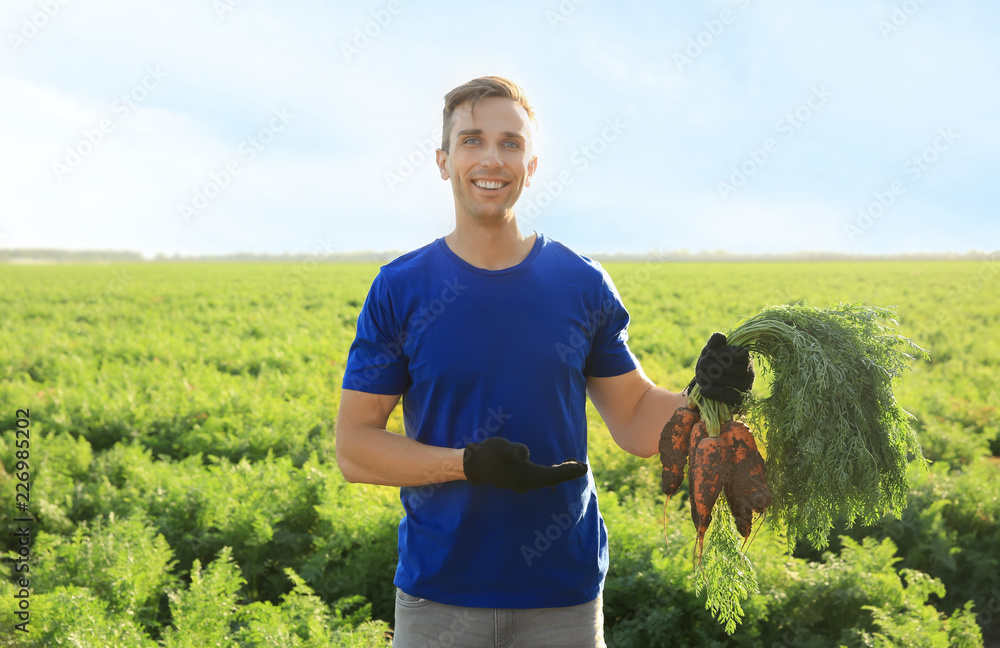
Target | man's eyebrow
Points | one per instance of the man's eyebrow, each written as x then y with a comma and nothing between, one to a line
479,131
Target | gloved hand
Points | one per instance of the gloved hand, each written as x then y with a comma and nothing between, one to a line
723,371
505,464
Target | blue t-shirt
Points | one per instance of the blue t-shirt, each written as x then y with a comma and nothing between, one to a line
477,353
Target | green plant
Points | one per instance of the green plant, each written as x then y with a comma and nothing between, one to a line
125,563
138,375
73,617
857,598
203,614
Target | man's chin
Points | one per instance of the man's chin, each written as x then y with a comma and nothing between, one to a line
498,213
494,217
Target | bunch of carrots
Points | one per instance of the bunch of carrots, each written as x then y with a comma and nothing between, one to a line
728,463
837,443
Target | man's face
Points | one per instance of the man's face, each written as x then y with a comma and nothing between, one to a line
490,160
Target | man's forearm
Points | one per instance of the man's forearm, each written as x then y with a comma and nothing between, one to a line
641,435
370,455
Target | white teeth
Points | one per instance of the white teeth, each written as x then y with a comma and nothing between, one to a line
488,185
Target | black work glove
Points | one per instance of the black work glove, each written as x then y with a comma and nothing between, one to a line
505,464
723,371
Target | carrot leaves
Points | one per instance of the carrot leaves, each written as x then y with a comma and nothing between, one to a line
837,443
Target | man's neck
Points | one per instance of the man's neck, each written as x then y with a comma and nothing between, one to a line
495,248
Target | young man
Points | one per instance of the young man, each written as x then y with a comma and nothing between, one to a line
493,340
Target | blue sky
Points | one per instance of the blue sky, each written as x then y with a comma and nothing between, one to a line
754,126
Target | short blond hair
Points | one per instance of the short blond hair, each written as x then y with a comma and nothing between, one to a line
481,88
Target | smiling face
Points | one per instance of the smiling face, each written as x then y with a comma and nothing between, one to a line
489,161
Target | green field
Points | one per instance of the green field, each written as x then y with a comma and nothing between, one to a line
182,473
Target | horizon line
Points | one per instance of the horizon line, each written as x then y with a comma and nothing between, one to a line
61,255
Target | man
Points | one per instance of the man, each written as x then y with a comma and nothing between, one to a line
493,340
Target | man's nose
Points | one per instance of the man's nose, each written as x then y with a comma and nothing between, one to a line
491,157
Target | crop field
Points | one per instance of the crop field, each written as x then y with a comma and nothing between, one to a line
175,483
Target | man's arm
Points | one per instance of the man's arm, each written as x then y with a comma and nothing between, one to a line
634,409
368,453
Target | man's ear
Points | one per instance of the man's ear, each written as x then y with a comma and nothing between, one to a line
441,157
531,170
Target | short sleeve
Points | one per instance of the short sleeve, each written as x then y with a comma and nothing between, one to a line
376,362
609,352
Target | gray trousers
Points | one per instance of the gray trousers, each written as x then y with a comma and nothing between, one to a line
425,624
